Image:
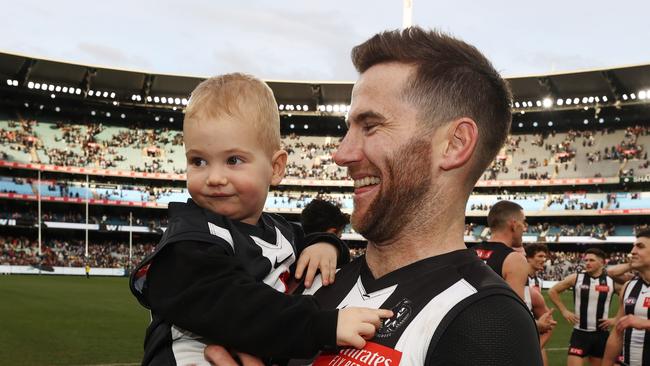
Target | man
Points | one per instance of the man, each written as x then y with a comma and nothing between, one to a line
428,115
507,223
320,216
536,255
592,291
631,336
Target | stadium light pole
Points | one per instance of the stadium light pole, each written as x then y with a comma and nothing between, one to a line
40,223
130,238
407,14
87,199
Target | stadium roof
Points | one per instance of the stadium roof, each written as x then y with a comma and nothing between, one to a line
612,83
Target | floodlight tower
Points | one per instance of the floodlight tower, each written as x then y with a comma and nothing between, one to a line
407,14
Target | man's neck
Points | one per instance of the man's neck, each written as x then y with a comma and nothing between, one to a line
414,244
501,238
596,273
532,271
645,275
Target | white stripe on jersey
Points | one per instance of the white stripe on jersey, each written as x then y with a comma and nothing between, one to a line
223,233
413,345
527,299
187,348
638,336
592,306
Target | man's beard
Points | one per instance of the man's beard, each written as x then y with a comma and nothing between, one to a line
403,193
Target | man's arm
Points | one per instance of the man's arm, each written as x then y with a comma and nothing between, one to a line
496,330
515,272
198,287
554,295
620,273
615,340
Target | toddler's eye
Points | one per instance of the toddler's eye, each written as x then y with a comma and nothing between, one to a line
198,162
234,160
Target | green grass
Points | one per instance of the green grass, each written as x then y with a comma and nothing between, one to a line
69,320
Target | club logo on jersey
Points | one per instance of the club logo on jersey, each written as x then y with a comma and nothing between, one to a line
576,351
630,301
373,354
484,254
646,302
584,287
602,288
401,313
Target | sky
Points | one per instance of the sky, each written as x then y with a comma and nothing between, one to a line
310,40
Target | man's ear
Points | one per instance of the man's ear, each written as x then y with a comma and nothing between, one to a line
461,140
279,162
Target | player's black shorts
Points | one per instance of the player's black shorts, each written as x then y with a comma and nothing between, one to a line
585,344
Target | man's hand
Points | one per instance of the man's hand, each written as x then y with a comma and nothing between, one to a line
570,317
605,324
631,321
355,325
219,356
319,256
546,322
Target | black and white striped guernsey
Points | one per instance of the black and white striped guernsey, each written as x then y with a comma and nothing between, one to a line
533,282
426,298
636,343
592,297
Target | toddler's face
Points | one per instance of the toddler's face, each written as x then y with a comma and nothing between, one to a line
228,171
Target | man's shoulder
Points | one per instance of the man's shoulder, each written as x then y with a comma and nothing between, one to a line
492,328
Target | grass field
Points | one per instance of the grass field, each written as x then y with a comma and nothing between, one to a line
57,320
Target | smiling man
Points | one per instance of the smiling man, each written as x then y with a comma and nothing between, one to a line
428,114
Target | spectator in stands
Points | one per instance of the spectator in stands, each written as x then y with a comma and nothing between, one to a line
323,216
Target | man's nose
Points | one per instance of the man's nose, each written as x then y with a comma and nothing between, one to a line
349,150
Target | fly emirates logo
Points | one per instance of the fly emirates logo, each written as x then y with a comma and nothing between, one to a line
373,354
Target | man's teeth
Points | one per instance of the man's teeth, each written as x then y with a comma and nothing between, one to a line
366,182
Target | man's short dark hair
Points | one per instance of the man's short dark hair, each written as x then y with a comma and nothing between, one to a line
597,252
320,215
534,248
501,212
645,233
452,80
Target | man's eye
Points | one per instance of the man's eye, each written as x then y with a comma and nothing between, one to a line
234,160
369,127
198,162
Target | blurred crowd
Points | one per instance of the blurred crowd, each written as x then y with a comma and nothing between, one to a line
310,157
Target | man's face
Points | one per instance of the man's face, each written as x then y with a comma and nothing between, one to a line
537,261
641,254
593,263
386,154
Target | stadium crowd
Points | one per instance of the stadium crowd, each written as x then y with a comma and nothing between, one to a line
21,250
311,158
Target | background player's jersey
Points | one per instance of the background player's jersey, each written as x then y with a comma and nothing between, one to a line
533,283
493,254
636,343
592,296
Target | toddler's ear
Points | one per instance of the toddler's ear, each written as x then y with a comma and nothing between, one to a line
279,162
